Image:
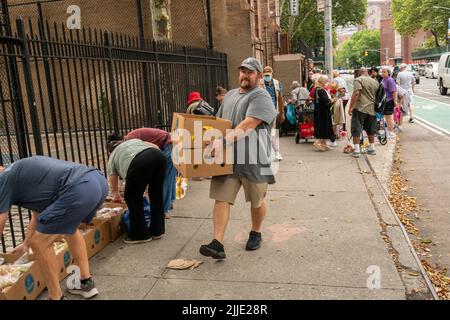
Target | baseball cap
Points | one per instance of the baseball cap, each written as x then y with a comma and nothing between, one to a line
403,65
251,64
268,70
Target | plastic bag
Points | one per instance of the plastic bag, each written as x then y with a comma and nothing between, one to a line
125,221
290,114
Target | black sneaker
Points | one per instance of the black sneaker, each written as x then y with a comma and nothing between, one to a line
254,241
214,250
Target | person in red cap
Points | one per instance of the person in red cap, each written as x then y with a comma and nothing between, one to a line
198,105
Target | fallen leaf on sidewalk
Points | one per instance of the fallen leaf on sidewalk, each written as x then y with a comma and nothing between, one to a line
183,264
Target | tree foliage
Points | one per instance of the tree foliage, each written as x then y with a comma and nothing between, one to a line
309,25
354,50
411,16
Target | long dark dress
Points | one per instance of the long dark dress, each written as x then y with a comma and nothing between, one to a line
323,126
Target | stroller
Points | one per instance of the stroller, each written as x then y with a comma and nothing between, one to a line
305,116
381,132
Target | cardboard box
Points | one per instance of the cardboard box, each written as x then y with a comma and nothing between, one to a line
196,136
97,235
65,259
115,230
184,162
29,286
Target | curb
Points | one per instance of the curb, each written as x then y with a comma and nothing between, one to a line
403,230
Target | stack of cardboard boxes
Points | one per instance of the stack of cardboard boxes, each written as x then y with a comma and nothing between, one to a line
192,136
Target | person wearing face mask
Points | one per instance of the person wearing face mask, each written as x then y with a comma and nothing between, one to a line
275,89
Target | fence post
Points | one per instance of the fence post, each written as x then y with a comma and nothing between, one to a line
112,84
158,82
48,80
29,87
145,70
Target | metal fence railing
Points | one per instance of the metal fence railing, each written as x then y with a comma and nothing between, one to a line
63,91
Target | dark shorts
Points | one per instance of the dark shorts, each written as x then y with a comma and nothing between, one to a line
78,204
389,108
363,121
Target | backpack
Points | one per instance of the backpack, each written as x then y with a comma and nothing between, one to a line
204,109
380,99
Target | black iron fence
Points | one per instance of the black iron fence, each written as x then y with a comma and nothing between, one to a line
62,91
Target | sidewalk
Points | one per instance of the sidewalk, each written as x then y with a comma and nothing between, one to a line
321,234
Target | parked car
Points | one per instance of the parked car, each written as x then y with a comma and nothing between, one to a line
444,73
431,70
413,68
421,69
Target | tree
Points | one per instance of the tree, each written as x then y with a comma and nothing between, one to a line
410,16
354,50
309,25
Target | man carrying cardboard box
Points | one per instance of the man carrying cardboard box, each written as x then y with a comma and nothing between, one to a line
252,114
61,195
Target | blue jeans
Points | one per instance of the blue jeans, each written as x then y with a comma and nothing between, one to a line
169,186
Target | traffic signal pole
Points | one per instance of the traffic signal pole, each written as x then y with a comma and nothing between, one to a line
328,38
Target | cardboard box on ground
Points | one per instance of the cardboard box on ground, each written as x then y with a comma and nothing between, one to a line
96,235
30,283
191,144
115,230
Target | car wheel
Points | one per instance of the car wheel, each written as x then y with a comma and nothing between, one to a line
442,89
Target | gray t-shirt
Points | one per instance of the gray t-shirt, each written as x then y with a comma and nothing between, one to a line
252,154
368,88
405,80
36,182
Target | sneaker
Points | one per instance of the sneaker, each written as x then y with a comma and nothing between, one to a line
214,250
87,290
157,237
411,120
130,241
391,135
372,152
254,241
333,144
278,156
356,154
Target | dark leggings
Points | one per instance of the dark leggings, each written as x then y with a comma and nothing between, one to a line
146,169
344,126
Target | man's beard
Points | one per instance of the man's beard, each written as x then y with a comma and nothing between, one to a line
245,84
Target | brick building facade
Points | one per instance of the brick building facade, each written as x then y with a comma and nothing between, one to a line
245,28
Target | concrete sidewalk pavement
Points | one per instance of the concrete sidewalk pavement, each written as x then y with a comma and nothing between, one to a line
327,234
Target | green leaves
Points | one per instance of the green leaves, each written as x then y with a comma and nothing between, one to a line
354,49
409,16
309,25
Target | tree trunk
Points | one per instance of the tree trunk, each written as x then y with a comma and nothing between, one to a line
436,40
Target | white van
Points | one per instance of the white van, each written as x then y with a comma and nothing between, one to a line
444,73
431,70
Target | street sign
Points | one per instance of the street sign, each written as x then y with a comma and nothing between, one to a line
448,32
320,5
294,8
